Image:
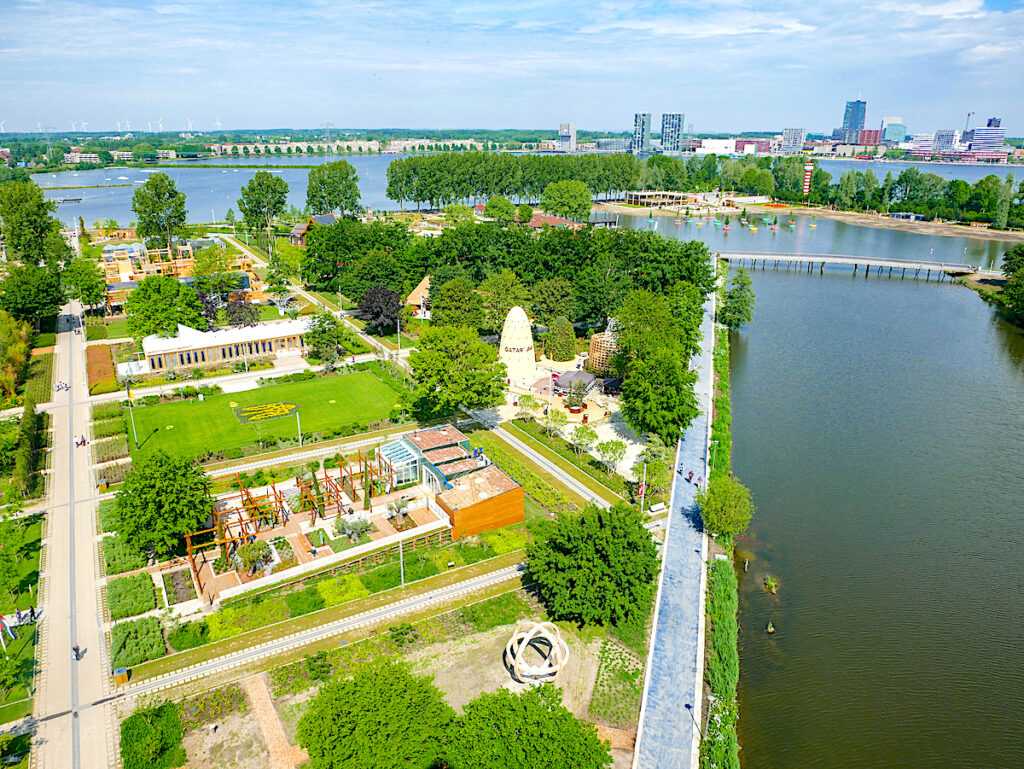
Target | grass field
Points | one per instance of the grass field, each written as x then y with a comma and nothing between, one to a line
192,428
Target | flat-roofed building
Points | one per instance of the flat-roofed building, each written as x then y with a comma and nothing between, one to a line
672,132
191,348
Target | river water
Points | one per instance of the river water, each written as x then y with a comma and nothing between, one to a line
879,423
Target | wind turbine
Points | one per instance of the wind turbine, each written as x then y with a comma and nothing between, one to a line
149,126
118,125
160,125
83,124
73,125
127,125
189,121
217,124
2,122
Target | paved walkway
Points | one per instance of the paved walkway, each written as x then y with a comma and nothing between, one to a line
69,735
666,736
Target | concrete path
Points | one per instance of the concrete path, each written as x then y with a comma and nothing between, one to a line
666,735
68,735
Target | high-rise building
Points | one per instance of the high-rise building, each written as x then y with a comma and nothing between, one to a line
853,122
867,137
793,140
641,132
567,137
922,144
893,130
945,140
990,138
672,132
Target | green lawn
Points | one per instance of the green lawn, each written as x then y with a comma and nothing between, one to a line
193,428
117,329
267,312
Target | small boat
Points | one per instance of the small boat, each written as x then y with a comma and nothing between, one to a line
775,224
752,228
766,220
717,223
791,226
700,223
726,228
769,628
814,221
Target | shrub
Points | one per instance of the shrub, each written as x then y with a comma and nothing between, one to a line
339,590
189,636
109,520
128,596
136,641
384,578
233,453
151,739
99,366
233,621
505,540
305,601
119,557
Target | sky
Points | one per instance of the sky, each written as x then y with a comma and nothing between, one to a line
730,65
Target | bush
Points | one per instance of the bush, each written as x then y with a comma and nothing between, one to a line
305,601
232,621
109,520
119,557
212,706
109,428
128,596
151,739
339,590
136,641
560,342
95,332
189,636
384,578
505,540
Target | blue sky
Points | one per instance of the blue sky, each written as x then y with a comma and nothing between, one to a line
730,65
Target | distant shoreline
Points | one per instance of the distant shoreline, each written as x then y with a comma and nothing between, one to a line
848,217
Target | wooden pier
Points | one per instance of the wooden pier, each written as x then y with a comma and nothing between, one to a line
809,261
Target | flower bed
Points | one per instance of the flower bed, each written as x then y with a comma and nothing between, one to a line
99,366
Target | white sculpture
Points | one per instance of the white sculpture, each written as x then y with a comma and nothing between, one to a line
516,350
545,639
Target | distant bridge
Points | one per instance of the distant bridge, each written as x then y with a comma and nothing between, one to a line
867,262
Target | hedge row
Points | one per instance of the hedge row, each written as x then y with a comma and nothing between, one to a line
128,596
136,641
532,484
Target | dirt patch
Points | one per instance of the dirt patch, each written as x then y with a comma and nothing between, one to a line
237,744
290,709
985,282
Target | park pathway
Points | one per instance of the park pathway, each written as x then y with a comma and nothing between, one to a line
67,735
667,735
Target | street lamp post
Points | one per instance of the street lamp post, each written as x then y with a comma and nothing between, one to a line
713,453
689,709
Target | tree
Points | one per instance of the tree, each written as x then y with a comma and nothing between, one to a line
658,397
83,281
500,292
725,506
738,307
252,554
212,271
457,214
687,307
1013,261
644,325
383,717
12,542
491,733
30,292
600,566
9,677
159,304
501,210
1013,293
162,499
323,336
560,341
528,406
380,307
263,198
15,343
456,304
571,199
659,461
230,217
159,209
524,212
31,233
553,298
556,420
583,437
241,312
611,453
333,187
453,368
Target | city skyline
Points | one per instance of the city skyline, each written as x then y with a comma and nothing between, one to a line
467,64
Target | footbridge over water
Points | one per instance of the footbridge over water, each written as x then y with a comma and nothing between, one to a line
810,261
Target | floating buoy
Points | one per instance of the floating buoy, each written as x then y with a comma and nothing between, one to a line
770,628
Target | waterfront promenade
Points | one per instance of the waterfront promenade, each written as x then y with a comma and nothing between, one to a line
667,737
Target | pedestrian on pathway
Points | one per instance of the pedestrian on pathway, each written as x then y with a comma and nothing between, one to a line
76,652
689,477
32,614
699,479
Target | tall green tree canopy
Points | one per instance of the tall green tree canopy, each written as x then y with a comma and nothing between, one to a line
725,506
554,298
159,303
738,308
162,499
263,197
453,368
383,717
456,304
571,199
30,292
596,567
500,209
212,271
333,187
560,341
501,291
28,224
658,397
83,281
323,336
379,308
644,324
502,730
159,209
